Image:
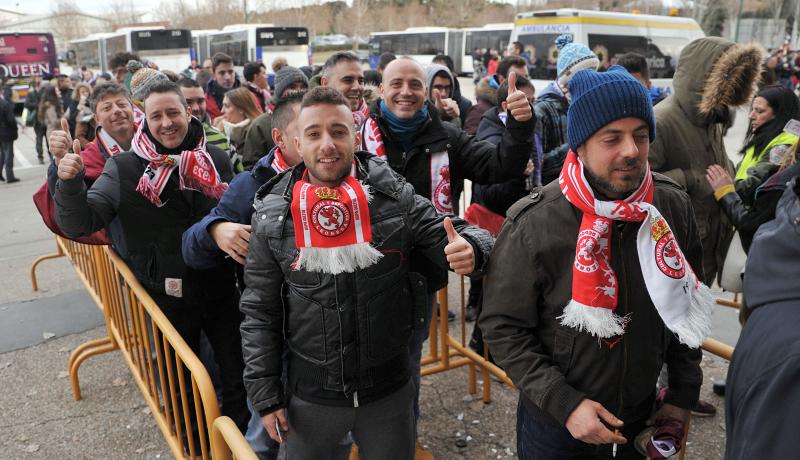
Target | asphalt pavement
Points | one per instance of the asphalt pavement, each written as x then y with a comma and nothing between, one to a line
38,329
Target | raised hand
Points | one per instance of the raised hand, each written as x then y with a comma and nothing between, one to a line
445,105
60,141
71,164
459,252
517,102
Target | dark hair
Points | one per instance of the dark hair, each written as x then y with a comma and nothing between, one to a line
203,77
283,114
336,58
187,82
786,106
519,46
251,69
49,98
121,60
502,91
635,62
510,61
323,95
446,60
163,87
106,89
220,58
372,77
172,76
385,59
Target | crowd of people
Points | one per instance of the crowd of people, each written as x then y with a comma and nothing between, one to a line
295,227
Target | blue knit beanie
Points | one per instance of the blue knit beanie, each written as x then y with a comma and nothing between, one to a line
572,58
598,98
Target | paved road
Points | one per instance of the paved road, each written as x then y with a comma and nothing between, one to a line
40,326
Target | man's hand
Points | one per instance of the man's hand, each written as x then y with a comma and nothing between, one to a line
71,164
445,105
270,420
717,177
517,102
585,423
60,142
233,239
670,411
458,250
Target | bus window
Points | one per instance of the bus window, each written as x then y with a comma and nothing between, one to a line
168,39
544,55
115,45
609,48
412,44
431,43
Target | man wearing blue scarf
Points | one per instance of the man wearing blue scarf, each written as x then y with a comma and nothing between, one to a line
435,157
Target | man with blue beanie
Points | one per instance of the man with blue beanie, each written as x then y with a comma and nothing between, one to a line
609,297
551,104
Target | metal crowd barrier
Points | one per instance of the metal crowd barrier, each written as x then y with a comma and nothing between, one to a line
171,377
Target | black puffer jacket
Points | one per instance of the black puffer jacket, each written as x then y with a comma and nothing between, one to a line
347,334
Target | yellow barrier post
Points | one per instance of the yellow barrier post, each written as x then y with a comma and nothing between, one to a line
226,440
59,253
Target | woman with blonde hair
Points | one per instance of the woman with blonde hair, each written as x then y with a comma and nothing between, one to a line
239,109
79,106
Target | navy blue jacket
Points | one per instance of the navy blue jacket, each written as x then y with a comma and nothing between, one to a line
200,251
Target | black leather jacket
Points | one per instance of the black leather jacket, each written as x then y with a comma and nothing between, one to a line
347,335
528,283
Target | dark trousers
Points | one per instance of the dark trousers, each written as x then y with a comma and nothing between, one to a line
7,158
40,131
541,440
220,320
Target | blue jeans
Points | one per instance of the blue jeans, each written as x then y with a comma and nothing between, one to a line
540,440
7,158
418,338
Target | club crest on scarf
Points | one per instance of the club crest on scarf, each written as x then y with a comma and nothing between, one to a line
442,195
332,227
668,255
682,302
329,216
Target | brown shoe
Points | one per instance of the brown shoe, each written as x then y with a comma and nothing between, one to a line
704,409
421,454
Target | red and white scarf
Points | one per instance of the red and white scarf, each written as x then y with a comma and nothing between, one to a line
197,171
682,301
332,227
278,164
441,192
361,115
109,145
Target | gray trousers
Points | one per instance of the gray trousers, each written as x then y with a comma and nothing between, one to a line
382,429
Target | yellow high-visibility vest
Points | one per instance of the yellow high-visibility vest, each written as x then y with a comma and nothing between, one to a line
750,159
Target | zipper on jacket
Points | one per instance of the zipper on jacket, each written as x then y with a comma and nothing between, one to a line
355,398
624,345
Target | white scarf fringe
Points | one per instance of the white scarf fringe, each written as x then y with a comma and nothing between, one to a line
343,259
597,321
696,325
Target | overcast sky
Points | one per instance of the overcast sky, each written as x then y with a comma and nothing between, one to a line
89,7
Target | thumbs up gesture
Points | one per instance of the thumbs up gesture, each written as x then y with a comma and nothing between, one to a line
60,141
517,102
459,252
71,164
445,105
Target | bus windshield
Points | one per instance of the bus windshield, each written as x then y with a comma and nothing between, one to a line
153,40
26,55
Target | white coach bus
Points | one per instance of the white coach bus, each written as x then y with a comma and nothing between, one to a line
261,42
418,43
169,49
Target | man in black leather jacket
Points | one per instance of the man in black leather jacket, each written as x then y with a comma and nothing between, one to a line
328,279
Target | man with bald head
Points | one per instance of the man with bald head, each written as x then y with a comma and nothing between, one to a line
435,157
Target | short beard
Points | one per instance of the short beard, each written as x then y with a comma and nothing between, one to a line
606,189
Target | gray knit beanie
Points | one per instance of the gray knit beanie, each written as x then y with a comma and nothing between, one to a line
142,78
286,76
